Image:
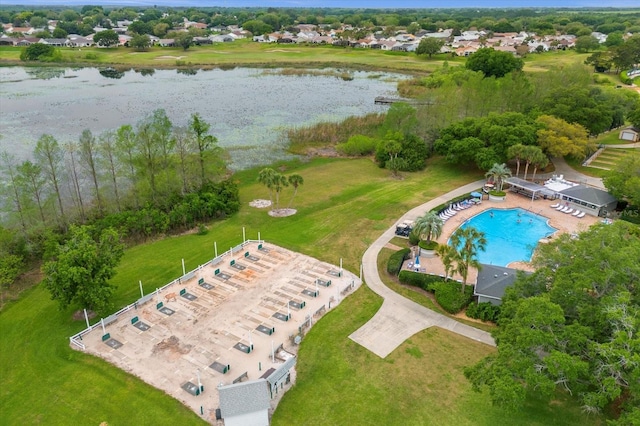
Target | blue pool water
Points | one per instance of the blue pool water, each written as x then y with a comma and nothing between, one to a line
511,234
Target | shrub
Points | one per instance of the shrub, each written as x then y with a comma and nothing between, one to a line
450,298
395,261
423,281
484,311
40,52
497,193
624,78
358,145
428,245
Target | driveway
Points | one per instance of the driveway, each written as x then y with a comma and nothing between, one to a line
400,318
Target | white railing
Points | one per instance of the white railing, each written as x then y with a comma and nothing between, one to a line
76,338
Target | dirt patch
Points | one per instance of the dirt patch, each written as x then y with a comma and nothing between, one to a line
79,315
281,50
282,212
327,151
260,204
171,347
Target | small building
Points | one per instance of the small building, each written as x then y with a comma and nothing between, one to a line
492,281
280,376
245,404
630,134
593,201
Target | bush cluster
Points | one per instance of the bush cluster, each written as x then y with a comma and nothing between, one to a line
447,293
395,261
484,311
214,201
625,79
358,145
423,281
448,296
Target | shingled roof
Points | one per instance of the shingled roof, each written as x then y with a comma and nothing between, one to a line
493,280
243,398
590,195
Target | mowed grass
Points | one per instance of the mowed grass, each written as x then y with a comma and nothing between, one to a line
420,383
342,207
244,53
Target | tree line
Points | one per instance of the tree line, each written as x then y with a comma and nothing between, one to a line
159,21
140,180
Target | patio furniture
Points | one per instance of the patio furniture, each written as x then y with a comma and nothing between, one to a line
581,215
576,213
555,206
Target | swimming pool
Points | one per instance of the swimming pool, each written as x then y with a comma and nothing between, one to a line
512,234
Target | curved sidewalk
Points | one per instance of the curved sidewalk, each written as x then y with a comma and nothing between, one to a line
400,318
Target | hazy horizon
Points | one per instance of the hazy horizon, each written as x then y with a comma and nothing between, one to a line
343,4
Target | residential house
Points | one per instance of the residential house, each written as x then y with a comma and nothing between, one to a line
57,42
221,38
166,42
7,41
74,40
21,30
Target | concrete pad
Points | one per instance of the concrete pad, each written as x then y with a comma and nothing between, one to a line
219,325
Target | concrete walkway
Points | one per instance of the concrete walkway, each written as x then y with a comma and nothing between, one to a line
400,318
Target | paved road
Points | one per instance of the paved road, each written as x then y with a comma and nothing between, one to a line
562,168
400,318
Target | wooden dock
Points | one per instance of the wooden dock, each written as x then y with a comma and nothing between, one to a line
383,100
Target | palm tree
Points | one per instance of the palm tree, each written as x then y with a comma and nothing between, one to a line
498,174
267,178
539,160
295,181
448,255
467,241
515,152
428,226
279,183
530,154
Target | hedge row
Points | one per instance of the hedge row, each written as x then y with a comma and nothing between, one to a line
395,261
449,296
446,205
447,293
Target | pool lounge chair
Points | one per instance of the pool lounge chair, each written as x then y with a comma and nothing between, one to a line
581,215
560,208
555,206
576,213
569,210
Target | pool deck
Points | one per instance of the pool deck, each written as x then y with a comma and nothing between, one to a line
399,318
564,223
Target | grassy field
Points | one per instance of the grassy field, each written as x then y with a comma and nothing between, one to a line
420,383
342,207
244,53
249,53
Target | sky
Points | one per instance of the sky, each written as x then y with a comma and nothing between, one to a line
373,4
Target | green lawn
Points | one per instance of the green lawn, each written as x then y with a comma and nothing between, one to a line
342,207
243,53
420,383
248,53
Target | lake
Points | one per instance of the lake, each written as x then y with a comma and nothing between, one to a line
248,108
